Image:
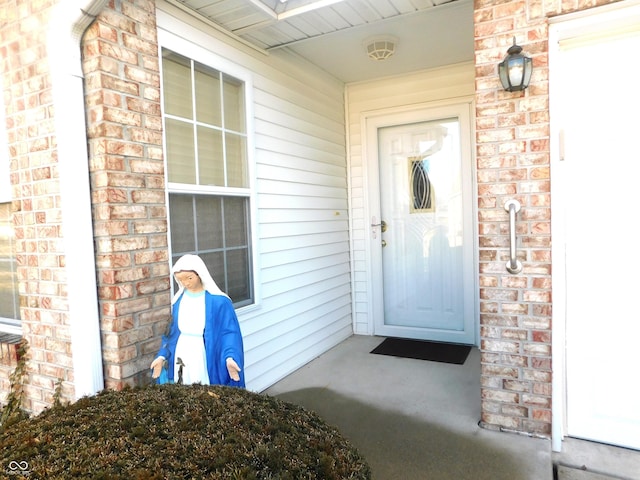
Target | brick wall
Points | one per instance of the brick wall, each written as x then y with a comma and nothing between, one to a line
122,83
124,131
35,189
512,150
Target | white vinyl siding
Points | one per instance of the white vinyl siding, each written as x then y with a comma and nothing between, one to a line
365,99
297,142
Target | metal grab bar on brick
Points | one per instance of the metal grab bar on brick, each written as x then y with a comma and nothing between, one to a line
513,265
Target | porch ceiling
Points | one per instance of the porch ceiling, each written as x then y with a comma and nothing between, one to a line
333,34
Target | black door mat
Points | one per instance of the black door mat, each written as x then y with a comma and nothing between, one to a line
423,350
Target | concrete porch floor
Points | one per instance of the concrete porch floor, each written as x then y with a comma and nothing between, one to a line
412,419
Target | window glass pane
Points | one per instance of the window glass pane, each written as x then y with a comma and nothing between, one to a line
234,108
208,108
215,264
210,156
209,223
176,77
182,225
235,214
238,278
180,151
9,299
236,147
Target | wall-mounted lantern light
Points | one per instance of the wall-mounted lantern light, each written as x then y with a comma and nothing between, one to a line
515,70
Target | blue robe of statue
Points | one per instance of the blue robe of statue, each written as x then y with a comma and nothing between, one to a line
222,339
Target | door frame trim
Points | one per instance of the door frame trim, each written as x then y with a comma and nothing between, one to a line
561,28
374,119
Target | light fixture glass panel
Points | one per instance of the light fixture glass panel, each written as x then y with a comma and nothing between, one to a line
528,70
516,70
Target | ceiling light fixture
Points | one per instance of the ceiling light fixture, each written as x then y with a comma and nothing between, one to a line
381,48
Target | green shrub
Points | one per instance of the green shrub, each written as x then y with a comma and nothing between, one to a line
12,411
180,432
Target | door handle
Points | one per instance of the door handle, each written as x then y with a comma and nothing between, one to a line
382,225
513,265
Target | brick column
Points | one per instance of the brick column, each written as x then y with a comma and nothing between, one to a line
127,174
513,161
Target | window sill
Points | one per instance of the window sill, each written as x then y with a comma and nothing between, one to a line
8,325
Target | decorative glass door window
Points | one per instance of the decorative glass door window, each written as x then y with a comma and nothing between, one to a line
423,199
430,144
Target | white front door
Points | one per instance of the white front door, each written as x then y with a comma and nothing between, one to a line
422,232
596,105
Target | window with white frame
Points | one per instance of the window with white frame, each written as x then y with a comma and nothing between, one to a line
9,297
9,302
208,184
